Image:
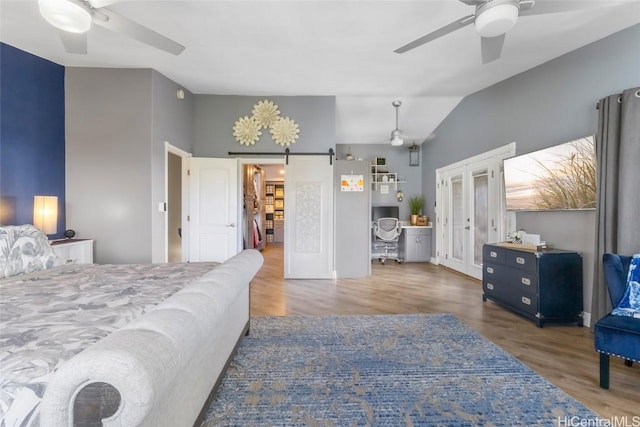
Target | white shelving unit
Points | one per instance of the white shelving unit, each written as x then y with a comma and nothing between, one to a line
380,175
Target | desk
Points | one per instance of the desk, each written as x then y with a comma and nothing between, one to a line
414,244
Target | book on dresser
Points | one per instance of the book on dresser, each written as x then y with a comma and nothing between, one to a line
543,285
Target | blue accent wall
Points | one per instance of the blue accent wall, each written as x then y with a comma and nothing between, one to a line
32,135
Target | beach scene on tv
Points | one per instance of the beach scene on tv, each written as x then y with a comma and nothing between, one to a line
559,177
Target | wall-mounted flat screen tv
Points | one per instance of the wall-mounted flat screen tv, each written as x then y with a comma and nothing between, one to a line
559,177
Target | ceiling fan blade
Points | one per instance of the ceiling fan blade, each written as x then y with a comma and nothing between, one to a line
456,25
74,42
541,7
120,24
103,3
492,48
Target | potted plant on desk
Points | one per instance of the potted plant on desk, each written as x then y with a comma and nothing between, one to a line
415,207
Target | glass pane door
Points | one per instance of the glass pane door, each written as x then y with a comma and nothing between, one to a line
472,209
480,208
457,218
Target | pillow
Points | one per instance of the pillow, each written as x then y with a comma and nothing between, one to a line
24,249
629,305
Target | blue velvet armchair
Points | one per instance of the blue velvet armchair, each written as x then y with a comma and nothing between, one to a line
616,335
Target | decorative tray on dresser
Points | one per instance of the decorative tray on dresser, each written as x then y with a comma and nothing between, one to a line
544,285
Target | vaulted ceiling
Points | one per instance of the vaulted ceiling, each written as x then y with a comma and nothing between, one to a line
339,48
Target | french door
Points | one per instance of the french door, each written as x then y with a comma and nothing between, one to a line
470,210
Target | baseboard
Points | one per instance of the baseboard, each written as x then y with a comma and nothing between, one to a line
586,319
434,260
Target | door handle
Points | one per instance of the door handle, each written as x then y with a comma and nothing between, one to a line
233,224
467,228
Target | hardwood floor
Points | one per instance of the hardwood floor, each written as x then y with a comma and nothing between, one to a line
564,355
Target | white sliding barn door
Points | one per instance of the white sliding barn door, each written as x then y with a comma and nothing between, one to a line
308,225
213,213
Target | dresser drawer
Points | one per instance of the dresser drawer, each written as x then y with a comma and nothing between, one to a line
525,280
512,296
493,254
522,260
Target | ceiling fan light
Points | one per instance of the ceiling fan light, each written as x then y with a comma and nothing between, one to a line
66,15
497,20
396,138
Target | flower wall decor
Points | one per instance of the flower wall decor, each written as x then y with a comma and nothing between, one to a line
265,113
246,130
284,131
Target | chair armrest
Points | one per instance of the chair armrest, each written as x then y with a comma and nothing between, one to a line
616,270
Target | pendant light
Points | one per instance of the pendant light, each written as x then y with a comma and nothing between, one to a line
396,137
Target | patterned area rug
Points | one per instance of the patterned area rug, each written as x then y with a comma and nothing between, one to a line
384,370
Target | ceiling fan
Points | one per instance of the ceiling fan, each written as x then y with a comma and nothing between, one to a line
492,20
74,18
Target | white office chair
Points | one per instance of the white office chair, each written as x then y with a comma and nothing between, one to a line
387,232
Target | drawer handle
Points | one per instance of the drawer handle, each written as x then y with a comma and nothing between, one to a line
489,270
520,260
493,254
526,281
526,300
490,286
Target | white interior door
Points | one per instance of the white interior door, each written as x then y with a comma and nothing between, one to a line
308,225
470,210
454,254
480,177
213,214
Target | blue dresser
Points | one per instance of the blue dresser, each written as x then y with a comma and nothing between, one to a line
544,285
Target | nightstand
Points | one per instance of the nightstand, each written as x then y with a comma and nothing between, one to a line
74,251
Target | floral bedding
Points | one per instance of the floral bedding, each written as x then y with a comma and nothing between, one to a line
46,317
24,249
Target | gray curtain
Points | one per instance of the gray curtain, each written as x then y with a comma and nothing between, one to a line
618,187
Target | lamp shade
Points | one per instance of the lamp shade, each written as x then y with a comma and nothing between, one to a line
396,138
45,213
497,20
66,15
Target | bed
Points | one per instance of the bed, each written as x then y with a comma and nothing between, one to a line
113,344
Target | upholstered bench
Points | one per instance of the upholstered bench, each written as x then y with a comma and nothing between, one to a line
616,335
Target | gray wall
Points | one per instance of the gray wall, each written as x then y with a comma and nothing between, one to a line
352,222
397,159
215,116
116,123
550,104
172,121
